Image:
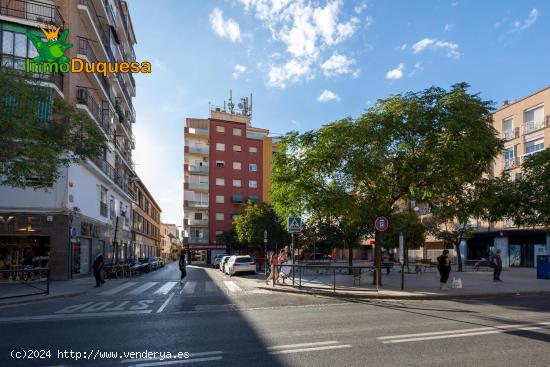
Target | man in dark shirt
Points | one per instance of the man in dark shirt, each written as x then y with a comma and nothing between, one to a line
97,267
497,266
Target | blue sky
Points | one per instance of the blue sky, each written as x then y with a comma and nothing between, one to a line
311,62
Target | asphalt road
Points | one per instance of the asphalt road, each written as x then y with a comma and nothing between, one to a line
221,322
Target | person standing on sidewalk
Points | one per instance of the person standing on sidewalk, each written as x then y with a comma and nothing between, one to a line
274,261
386,261
497,266
444,267
97,267
182,266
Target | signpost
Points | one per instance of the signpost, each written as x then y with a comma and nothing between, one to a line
294,225
381,225
265,251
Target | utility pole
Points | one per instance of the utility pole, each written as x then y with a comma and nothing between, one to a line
402,258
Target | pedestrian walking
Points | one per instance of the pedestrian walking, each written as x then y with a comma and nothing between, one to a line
273,274
497,266
182,266
282,259
386,262
97,267
444,267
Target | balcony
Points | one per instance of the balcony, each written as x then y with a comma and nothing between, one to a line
254,199
531,126
198,170
198,240
18,63
524,156
255,136
511,134
105,167
102,30
84,97
197,204
198,222
510,163
32,10
197,150
193,130
198,186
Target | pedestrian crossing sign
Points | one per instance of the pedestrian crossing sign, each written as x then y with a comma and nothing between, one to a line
294,224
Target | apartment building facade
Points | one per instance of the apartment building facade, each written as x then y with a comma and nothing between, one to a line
170,247
88,211
524,126
227,164
146,226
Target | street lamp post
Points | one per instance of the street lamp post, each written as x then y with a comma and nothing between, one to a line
402,258
265,251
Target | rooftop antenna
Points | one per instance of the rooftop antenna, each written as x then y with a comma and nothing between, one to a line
231,105
250,108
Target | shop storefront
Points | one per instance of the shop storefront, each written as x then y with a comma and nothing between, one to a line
88,239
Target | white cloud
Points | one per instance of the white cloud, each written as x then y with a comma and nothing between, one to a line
337,64
518,26
418,68
225,28
448,27
239,70
358,9
396,73
307,30
292,72
327,96
368,21
403,47
452,48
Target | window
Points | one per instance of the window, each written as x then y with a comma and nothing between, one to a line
218,233
220,199
219,216
507,124
220,129
253,150
534,146
220,164
220,182
198,216
509,154
236,183
533,119
237,132
220,147
252,167
253,184
236,165
236,148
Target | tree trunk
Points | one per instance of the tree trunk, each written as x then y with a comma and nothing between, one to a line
457,245
350,254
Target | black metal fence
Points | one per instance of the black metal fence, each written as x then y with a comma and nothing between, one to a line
24,282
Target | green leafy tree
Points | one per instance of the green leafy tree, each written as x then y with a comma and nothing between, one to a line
414,232
420,145
40,133
319,236
229,239
253,221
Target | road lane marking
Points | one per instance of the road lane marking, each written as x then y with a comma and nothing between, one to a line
120,288
166,288
210,287
179,361
165,303
314,349
189,288
71,316
191,355
233,288
141,289
497,329
303,345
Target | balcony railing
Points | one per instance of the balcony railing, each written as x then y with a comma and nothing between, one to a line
511,134
197,204
84,96
105,167
104,31
198,186
510,163
193,130
198,169
198,239
18,63
524,156
533,126
32,10
198,222
199,150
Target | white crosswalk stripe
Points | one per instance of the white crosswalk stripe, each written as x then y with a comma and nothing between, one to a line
141,289
233,288
210,287
166,288
189,288
118,289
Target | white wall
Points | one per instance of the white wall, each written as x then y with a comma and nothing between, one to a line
53,198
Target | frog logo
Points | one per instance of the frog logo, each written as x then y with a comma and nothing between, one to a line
53,50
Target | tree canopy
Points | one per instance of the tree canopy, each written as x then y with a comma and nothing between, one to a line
418,145
251,223
40,133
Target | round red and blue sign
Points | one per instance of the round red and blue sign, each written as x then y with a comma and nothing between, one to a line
381,224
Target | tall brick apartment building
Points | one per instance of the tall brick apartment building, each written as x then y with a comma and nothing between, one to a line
227,163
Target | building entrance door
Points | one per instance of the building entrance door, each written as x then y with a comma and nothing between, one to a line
522,255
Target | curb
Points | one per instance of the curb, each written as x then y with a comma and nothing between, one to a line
405,297
46,298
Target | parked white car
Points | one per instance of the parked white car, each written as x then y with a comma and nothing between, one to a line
240,264
217,260
223,262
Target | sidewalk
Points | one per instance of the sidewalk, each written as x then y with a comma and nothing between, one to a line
518,281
